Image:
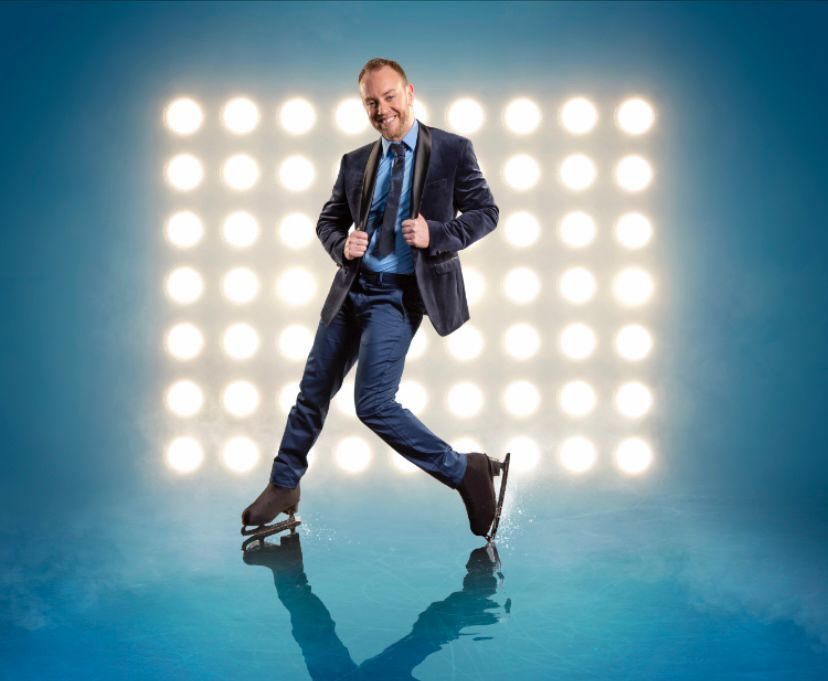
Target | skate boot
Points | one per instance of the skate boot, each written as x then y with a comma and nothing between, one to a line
478,494
271,502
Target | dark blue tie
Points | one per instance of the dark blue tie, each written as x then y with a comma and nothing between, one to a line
387,240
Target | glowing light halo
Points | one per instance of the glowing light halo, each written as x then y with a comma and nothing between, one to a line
184,116
184,454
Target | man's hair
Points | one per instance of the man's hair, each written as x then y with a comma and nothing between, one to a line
378,63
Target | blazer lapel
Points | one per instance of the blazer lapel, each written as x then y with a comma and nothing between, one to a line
369,175
421,156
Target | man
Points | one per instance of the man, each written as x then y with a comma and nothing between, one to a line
394,267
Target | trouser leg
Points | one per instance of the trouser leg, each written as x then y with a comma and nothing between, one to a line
387,330
331,357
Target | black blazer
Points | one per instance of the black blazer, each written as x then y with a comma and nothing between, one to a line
447,179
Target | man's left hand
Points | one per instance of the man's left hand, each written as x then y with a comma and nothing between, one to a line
415,232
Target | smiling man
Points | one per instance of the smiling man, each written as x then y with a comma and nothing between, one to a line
402,193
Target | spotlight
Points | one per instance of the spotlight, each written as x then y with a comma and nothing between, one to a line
577,285
578,172
633,400
352,454
184,285
521,172
184,341
402,464
240,454
521,341
633,342
418,347
465,116
521,398
184,229
240,229
632,287
633,230
296,173
344,399
466,444
240,172
577,454
521,229
466,343
184,172
525,452
240,399
635,116
578,116
633,455
296,230
296,286
183,116
521,285
297,116
184,454
240,285
413,396
577,341
577,398
240,341
295,342
240,116
522,116
420,111
465,399
350,116
474,283
633,173
185,398
577,229
287,396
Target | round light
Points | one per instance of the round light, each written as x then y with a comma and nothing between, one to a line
352,454
184,229
633,230
474,283
184,341
296,173
240,115
240,285
413,396
184,285
240,341
296,286
297,231
633,173
297,116
295,342
287,396
466,444
521,172
240,229
344,399
521,398
633,342
350,116
465,399
577,398
184,398
183,116
577,229
466,343
521,229
418,347
578,116
240,398
240,172
521,285
184,172
521,341
525,453
420,111
465,116
633,400
184,454
577,285
635,116
577,341
578,172
402,464
240,454
577,454
522,116
632,287
633,456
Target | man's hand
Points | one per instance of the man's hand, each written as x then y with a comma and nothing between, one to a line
415,232
356,244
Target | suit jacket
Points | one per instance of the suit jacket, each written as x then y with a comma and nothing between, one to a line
446,179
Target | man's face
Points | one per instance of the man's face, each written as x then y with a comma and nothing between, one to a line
388,102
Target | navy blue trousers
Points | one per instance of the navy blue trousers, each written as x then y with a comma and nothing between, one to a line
375,326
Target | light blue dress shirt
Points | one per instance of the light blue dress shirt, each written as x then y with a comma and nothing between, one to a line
401,260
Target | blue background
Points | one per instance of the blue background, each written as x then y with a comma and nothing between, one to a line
719,570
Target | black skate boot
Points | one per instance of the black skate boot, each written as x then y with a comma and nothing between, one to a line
271,502
477,491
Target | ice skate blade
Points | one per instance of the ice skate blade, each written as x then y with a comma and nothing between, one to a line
503,467
259,533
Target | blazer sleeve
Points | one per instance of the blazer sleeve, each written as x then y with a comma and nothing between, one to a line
473,198
335,219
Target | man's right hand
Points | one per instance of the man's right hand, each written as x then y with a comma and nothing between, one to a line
356,244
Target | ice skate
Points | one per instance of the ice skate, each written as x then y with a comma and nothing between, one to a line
256,518
478,494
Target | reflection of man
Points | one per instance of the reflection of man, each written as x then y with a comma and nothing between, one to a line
315,630
402,192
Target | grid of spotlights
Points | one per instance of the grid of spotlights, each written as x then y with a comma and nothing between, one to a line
552,365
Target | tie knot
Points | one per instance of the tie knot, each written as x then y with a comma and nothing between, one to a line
398,149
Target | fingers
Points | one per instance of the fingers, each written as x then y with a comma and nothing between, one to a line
356,245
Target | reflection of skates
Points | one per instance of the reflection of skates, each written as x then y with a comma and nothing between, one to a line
477,491
270,503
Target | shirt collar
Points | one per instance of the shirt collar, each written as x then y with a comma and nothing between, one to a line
410,140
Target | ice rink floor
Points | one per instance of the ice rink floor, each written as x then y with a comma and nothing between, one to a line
384,581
